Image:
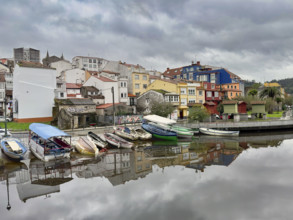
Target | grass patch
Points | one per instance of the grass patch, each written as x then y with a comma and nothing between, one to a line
18,126
275,115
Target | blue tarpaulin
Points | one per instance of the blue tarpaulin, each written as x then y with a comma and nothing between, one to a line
46,131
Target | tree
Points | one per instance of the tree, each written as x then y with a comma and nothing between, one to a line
270,92
198,113
162,108
252,92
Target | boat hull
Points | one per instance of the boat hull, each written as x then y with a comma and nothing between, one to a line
215,132
121,133
86,147
117,141
159,133
13,155
97,140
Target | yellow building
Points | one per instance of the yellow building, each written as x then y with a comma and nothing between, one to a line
187,94
140,82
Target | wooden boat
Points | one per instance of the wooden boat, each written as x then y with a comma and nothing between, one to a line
169,124
42,145
117,141
216,132
125,132
63,143
158,132
13,148
97,140
142,134
86,147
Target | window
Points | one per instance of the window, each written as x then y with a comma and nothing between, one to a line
121,84
147,100
231,94
191,101
145,86
94,61
90,60
136,85
200,93
171,98
121,95
216,94
90,65
203,78
183,90
209,94
190,76
191,91
139,158
176,98
200,101
136,77
61,94
213,86
59,86
85,60
84,65
183,102
235,87
166,98
94,66
125,84
213,78
144,78
205,86
137,93
228,86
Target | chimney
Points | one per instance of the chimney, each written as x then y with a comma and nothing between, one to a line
168,69
198,63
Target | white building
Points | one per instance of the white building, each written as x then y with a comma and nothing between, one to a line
76,76
33,92
105,85
61,65
89,63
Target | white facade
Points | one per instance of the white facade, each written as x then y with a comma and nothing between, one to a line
33,91
123,90
76,76
105,88
89,63
60,66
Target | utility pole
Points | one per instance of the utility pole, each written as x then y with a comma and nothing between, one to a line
112,89
5,100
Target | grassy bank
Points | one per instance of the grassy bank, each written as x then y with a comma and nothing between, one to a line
18,126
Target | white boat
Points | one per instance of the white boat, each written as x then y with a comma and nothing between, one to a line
13,148
142,134
97,140
42,145
125,132
117,141
159,119
216,132
84,146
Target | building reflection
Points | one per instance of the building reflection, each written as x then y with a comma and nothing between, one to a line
119,166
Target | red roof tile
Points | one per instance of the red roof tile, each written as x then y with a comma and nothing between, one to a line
106,105
73,86
104,79
173,72
131,95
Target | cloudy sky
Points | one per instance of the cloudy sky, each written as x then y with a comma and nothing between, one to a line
252,38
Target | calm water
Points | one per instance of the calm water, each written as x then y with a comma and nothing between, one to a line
249,177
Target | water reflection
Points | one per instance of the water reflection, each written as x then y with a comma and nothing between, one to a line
119,167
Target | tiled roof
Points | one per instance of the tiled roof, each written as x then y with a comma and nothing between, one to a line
258,102
173,72
97,96
154,77
110,72
74,101
104,79
90,88
209,103
33,65
73,86
229,102
104,106
131,95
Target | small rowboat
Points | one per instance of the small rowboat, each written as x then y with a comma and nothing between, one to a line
117,141
142,134
125,132
13,148
210,131
86,147
97,140
158,132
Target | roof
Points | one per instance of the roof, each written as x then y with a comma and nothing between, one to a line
160,91
33,65
110,72
46,131
229,102
159,119
104,79
209,103
104,106
154,77
131,95
258,102
76,101
97,96
73,86
90,88
173,72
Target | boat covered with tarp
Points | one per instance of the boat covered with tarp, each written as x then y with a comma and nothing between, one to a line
42,144
210,131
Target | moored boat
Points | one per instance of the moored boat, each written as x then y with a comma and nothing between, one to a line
86,147
42,145
216,132
117,141
158,132
97,140
13,148
125,132
142,134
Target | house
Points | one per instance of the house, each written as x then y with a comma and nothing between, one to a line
278,86
174,73
211,107
89,63
242,107
258,108
230,106
230,90
33,92
50,59
140,82
74,76
92,93
26,54
107,109
60,92
145,100
73,90
74,113
61,66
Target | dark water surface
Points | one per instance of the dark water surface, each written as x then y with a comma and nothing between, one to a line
248,177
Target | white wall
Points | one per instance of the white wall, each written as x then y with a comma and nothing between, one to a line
61,66
105,88
74,76
34,88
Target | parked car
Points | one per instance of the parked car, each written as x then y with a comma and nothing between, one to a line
2,119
